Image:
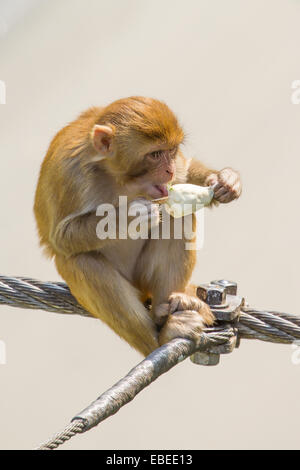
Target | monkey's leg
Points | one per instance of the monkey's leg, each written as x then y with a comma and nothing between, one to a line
164,267
107,295
164,270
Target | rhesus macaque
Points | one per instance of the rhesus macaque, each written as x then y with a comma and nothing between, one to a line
129,148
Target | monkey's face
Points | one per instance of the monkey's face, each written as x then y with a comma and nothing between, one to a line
155,170
140,165
138,138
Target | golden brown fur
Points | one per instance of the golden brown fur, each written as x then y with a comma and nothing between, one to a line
129,148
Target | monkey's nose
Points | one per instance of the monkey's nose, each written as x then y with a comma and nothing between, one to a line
170,173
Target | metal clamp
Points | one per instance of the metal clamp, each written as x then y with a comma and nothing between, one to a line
226,305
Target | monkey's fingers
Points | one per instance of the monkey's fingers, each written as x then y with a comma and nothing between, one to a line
228,177
212,179
237,188
139,205
219,191
161,200
230,194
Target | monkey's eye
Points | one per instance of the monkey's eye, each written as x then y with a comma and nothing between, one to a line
155,155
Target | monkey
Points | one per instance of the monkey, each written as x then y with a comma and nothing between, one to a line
131,148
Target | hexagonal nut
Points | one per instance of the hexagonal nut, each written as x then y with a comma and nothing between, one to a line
229,286
212,294
225,348
205,359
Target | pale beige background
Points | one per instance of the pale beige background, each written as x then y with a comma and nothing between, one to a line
226,68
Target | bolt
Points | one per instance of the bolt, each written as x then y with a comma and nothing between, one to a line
212,294
229,286
205,359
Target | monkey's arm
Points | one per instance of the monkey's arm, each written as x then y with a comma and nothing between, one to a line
198,173
91,232
78,234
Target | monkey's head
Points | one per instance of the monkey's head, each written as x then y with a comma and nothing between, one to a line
137,139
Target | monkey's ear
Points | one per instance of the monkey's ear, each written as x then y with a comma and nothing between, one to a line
102,138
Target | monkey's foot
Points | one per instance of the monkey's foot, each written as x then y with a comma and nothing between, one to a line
180,302
186,324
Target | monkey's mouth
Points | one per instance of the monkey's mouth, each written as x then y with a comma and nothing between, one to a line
161,189
156,191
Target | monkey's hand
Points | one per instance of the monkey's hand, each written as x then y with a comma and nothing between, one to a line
147,211
187,317
227,185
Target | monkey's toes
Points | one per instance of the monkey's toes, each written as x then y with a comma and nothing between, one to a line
179,301
161,313
207,315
